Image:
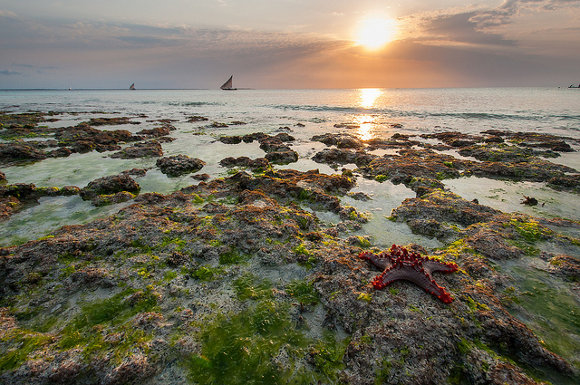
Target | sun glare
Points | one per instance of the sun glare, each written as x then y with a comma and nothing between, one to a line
374,33
368,96
366,124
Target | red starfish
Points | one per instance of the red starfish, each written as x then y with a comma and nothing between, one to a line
400,263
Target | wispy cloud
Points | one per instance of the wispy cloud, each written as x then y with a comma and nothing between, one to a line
479,27
7,14
505,13
9,73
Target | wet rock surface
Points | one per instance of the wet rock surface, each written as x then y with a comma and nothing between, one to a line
243,269
160,266
244,161
109,189
140,150
179,165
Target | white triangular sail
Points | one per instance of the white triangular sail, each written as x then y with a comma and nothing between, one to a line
228,85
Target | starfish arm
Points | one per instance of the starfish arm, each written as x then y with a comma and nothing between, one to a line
432,265
416,275
382,261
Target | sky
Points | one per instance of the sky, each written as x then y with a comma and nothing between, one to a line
287,43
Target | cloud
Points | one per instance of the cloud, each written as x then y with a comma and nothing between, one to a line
480,27
7,14
460,28
505,13
9,73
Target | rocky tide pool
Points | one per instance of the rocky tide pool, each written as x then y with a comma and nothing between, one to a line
198,237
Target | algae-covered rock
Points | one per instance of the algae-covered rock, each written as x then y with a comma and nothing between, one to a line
109,185
179,164
140,150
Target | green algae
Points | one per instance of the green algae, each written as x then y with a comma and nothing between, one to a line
383,372
238,349
303,291
550,310
25,342
107,312
248,286
233,256
530,230
242,348
206,273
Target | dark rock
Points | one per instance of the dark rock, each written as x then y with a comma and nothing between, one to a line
108,199
61,152
230,139
19,151
2,177
156,131
83,146
282,157
492,245
566,266
165,139
529,201
109,185
271,144
259,163
195,118
218,125
444,206
136,172
201,176
454,138
340,156
339,140
285,137
140,150
249,138
359,196
569,182
109,121
179,164
349,126
493,139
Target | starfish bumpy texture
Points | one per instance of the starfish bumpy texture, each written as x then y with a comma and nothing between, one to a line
400,263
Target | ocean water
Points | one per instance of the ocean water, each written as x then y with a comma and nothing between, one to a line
375,112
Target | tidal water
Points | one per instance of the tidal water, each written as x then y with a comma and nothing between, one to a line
374,112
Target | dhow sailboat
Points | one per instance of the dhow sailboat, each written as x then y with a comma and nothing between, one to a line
228,85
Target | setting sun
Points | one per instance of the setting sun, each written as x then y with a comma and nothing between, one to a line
374,33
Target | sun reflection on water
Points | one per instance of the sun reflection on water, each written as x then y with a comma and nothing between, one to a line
366,124
368,97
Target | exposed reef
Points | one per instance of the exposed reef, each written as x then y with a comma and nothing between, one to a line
265,274
138,296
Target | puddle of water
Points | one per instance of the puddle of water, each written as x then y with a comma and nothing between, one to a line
507,196
384,198
51,213
547,305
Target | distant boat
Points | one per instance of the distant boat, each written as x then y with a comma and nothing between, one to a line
573,86
228,86
132,87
